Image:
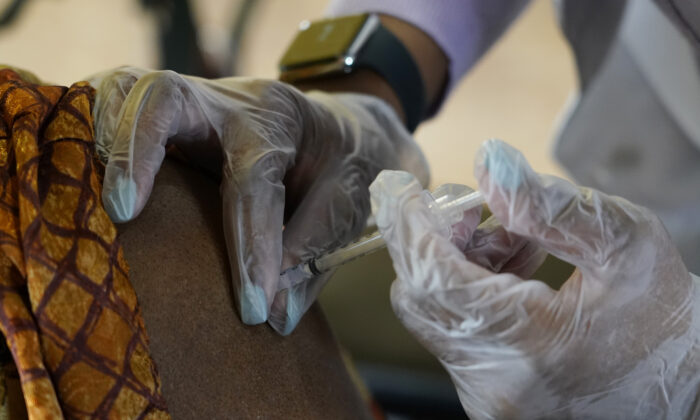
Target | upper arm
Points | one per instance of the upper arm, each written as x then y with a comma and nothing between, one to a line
211,364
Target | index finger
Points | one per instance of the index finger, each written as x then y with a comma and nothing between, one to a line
112,87
159,105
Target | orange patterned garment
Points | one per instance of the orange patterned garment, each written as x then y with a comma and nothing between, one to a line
67,309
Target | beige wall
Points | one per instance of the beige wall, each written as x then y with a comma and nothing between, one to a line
65,40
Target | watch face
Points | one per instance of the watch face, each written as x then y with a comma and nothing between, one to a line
323,41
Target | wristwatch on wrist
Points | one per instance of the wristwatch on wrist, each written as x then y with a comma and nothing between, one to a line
341,45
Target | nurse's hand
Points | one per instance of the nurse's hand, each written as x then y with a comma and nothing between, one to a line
302,161
619,340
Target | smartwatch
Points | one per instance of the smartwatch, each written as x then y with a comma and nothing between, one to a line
341,45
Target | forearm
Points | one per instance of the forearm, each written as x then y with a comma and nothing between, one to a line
445,40
428,56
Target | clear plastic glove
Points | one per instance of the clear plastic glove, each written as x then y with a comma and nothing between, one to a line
619,340
302,161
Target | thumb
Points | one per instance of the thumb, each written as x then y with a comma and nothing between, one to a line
424,258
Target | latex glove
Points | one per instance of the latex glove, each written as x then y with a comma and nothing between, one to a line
299,160
618,340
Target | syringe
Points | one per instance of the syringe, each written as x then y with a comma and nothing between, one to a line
448,202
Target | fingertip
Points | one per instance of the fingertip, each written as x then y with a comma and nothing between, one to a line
286,318
509,185
387,190
119,197
254,308
503,166
402,213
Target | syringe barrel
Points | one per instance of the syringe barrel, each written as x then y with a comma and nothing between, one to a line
454,210
449,202
363,246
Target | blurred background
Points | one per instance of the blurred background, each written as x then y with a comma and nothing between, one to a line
516,93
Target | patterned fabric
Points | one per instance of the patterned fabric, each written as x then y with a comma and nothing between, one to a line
67,309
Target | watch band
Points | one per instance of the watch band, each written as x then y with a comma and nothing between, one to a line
386,55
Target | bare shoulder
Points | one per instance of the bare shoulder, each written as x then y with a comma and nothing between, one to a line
211,365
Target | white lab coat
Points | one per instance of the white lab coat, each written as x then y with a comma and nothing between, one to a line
634,127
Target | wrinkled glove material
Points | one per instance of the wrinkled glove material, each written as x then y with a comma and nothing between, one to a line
294,168
619,340
69,313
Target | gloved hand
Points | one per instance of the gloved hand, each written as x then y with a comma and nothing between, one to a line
618,340
302,161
